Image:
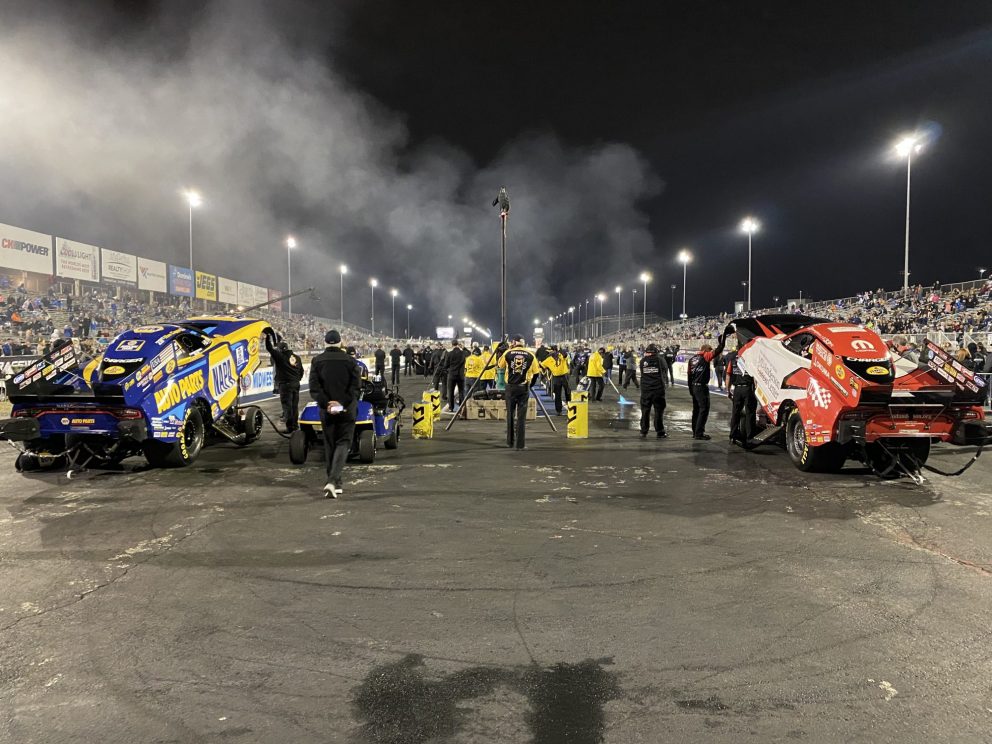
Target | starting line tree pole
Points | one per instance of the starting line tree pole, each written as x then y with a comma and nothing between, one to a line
503,200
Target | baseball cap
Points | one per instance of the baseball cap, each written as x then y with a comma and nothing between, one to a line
332,337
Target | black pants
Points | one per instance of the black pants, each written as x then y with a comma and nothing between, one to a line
408,368
339,431
436,384
455,382
700,408
719,377
396,374
516,415
742,415
380,371
289,399
596,387
655,400
630,377
671,373
562,392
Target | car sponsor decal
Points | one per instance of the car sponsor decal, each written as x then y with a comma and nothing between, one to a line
822,353
253,347
148,329
130,344
877,371
223,377
817,394
240,355
113,370
840,372
178,390
860,344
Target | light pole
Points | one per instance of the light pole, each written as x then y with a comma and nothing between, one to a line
633,304
551,328
409,333
776,301
599,324
373,283
193,199
571,322
684,258
587,316
619,289
672,314
290,245
907,147
394,292
750,226
344,270
645,278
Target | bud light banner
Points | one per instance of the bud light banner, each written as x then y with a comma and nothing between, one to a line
77,260
180,281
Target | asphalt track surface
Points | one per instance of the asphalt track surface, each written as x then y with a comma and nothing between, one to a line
610,589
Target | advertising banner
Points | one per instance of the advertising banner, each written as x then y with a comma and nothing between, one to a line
261,295
77,260
25,250
206,286
227,290
119,268
153,275
246,294
275,294
180,281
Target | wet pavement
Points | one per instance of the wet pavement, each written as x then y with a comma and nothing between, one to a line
602,590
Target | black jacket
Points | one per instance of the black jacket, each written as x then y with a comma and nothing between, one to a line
288,367
380,359
654,373
394,357
454,362
335,376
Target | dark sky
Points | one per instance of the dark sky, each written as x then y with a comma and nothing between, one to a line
781,109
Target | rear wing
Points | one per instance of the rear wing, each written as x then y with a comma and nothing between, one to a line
55,374
950,370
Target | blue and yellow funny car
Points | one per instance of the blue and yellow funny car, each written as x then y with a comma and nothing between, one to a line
161,391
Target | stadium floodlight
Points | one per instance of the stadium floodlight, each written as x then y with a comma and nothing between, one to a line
193,200
645,278
906,147
342,269
290,245
393,293
373,283
409,334
750,226
619,289
685,258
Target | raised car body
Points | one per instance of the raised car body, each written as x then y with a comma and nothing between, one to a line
143,394
840,392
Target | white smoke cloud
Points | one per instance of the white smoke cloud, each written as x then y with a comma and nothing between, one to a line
99,140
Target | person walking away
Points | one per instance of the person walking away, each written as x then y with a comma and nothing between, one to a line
654,379
699,387
557,366
595,374
407,361
455,375
621,365
608,363
394,362
473,368
335,383
380,362
288,373
519,365
631,376
670,353
488,367
719,369
744,409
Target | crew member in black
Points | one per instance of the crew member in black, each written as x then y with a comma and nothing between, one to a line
699,387
519,365
654,378
456,375
740,389
670,352
380,361
394,361
288,373
407,361
335,383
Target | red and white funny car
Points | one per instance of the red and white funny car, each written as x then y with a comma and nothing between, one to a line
839,392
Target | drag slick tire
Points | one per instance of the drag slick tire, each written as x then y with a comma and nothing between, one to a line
299,447
366,446
251,423
824,458
184,450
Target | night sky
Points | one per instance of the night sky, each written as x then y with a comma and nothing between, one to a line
715,110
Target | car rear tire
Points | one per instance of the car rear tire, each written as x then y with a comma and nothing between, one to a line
393,440
824,458
299,447
366,446
184,450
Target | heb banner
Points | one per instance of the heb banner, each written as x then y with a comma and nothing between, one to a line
227,291
180,281
25,250
246,294
206,286
152,275
77,260
119,268
275,294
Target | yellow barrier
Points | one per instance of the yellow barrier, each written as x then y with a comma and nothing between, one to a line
434,398
578,419
423,421
580,396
